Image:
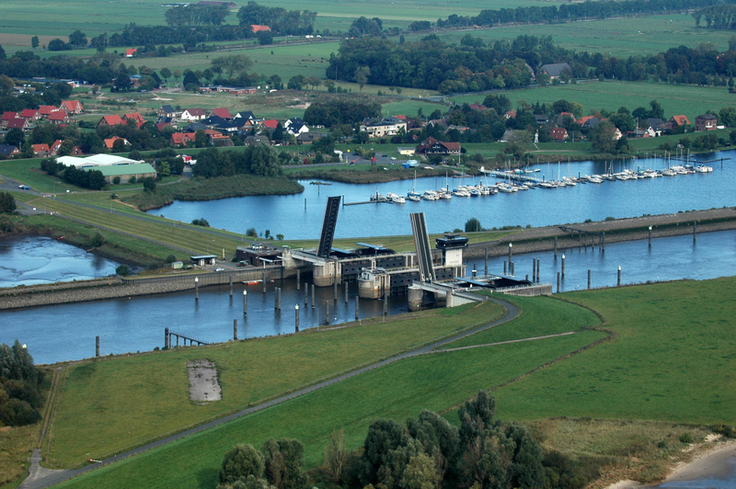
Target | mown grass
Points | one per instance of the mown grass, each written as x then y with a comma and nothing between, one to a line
672,359
111,405
563,317
397,391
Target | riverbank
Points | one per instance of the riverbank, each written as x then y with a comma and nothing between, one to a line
212,189
605,232
697,462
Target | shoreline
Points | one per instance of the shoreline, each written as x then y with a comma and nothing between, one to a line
708,459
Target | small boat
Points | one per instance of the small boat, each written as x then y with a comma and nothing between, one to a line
414,198
395,199
430,195
378,197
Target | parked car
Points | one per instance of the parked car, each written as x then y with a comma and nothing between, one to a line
219,269
24,187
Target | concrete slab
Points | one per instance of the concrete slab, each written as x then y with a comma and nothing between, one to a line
203,384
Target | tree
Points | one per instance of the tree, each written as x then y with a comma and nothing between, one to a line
361,76
34,42
123,270
78,39
241,462
7,202
284,460
122,81
264,161
603,137
149,184
472,225
476,415
420,473
234,64
335,453
15,137
384,436
165,74
2,53
295,82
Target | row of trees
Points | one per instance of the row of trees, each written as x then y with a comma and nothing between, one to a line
340,111
260,160
7,202
91,179
281,21
20,386
574,11
194,15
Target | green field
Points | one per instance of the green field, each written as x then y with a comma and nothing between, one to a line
112,405
94,17
610,95
670,360
620,37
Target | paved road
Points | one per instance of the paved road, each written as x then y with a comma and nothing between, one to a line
36,482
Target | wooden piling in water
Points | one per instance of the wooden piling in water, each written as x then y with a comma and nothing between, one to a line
296,318
235,330
558,281
231,285
327,312
357,307
298,278
589,279
563,265
245,303
196,288
618,280
486,261
555,247
97,346
313,305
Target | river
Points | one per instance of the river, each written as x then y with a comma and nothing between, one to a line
67,332
31,260
288,215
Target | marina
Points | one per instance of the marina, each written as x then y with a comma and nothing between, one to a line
506,202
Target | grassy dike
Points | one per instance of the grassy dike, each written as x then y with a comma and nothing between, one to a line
667,360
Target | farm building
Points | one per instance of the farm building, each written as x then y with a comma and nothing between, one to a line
126,172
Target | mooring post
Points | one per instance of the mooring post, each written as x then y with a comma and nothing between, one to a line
97,346
196,288
306,294
231,285
263,275
618,281
313,306
534,269
504,267
235,329
486,269
298,278
166,338
510,260
589,279
650,236
296,318
334,289
327,312
558,281
245,303
357,307
603,241
345,288
513,269
474,272
555,247
278,299
527,277
563,265
695,230
539,261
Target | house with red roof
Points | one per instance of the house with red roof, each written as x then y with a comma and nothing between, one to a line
59,117
269,124
136,116
109,143
18,123
71,107
679,120
30,114
585,119
222,113
110,121
41,150
567,114
432,146
478,107
195,114
47,110
130,52
559,134
181,139
8,151
259,28
161,125
7,117
56,147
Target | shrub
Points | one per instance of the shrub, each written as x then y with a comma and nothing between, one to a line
123,270
170,259
686,438
18,413
201,222
6,225
252,232
116,180
97,240
132,179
